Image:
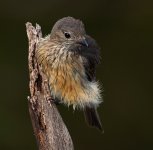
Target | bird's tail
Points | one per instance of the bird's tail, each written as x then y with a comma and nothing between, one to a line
92,117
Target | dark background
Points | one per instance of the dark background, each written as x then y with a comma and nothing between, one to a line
124,30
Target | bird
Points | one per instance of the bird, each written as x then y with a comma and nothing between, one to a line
69,56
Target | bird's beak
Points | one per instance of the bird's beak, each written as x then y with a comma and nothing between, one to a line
83,42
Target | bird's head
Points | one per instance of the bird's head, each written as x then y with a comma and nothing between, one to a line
69,31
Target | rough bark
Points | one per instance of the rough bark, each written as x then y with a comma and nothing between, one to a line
49,128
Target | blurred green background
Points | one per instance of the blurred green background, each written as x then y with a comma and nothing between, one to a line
124,30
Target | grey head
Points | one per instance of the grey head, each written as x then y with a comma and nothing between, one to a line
68,31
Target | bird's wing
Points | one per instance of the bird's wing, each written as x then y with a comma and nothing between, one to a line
92,55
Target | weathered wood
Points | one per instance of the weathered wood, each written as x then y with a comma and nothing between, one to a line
49,128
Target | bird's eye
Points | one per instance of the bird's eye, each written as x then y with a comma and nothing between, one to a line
67,35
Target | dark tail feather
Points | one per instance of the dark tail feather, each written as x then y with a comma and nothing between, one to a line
92,118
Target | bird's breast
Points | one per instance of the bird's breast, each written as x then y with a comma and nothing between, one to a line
67,82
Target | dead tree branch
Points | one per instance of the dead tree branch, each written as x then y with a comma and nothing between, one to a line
49,128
